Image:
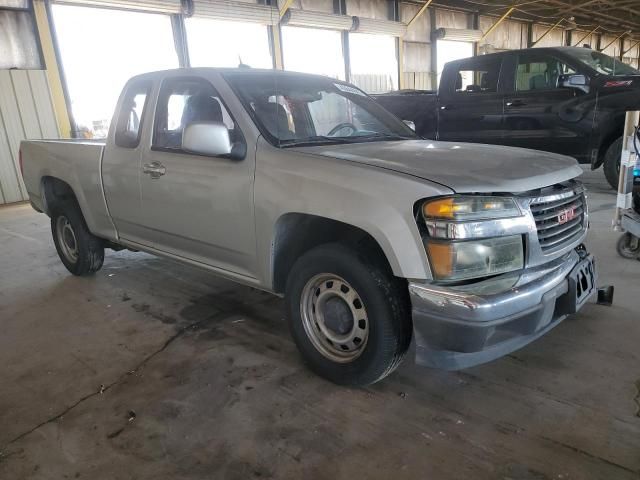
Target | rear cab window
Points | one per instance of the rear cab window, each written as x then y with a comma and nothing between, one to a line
476,75
132,109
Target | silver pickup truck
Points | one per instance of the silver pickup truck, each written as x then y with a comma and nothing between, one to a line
303,186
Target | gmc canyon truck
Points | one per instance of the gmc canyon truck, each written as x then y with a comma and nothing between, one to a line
304,186
565,100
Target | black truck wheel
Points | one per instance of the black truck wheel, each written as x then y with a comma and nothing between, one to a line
80,251
611,164
349,318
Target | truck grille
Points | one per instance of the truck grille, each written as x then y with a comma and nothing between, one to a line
559,221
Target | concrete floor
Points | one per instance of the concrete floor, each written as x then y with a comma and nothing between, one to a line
155,370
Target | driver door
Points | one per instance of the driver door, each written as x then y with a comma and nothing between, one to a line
541,115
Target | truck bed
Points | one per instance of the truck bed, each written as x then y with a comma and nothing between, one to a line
76,162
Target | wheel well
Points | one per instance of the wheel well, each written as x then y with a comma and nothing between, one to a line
56,191
297,233
611,137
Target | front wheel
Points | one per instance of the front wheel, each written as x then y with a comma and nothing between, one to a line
80,251
349,318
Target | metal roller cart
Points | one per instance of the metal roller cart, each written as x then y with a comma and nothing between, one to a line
627,218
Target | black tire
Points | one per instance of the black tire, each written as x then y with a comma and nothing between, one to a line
611,164
80,251
625,247
383,296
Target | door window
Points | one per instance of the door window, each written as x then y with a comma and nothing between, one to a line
477,76
129,124
183,101
539,72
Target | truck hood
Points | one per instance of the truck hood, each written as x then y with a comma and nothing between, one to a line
463,167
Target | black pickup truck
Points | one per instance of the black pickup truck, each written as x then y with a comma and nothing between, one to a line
567,100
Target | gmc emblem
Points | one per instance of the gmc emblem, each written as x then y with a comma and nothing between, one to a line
566,215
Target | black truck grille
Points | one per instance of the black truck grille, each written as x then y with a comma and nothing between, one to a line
559,221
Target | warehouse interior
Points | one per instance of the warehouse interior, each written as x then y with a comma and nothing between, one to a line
155,369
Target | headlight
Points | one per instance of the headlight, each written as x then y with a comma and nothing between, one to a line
470,208
473,236
476,258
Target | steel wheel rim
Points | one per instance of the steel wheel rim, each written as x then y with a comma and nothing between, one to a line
67,239
326,303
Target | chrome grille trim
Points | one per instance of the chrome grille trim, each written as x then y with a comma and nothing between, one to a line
553,235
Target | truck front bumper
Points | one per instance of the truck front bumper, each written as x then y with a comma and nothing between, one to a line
459,327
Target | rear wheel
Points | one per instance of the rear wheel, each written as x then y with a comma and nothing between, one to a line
349,318
611,166
80,251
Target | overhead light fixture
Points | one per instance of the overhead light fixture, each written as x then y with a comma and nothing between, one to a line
308,18
457,34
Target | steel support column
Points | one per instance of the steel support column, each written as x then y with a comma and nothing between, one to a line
53,68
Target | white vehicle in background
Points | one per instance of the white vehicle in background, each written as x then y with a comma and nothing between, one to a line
305,187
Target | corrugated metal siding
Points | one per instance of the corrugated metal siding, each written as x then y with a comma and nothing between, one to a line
451,19
420,30
591,40
373,83
613,49
26,112
508,35
555,38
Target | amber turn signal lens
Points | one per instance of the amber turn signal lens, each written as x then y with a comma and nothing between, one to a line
441,255
439,208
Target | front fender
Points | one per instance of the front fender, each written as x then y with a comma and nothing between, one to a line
377,201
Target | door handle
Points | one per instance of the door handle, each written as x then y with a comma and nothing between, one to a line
154,169
515,103
446,107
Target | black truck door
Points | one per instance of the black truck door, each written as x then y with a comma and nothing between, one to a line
538,112
470,102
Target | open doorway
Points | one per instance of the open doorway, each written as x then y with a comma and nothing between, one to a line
450,50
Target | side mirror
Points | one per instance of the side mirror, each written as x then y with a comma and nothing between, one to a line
577,81
206,138
410,124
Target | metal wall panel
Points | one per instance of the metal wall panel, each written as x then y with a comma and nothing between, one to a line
631,48
420,30
26,112
509,35
451,19
418,81
235,11
555,38
325,6
378,9
591,40
613,49
417,66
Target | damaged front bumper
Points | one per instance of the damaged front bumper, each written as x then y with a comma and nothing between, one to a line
459,327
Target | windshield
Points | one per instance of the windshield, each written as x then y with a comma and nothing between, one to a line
296,110
602,63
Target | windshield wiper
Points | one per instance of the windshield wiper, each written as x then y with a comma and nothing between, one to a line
380,136
309,141
324,140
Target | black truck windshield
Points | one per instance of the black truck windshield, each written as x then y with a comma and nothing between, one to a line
602,63
297,110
